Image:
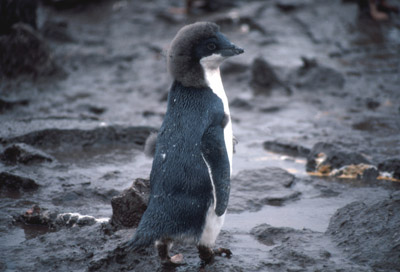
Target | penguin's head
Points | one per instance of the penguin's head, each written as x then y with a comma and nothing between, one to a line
197,47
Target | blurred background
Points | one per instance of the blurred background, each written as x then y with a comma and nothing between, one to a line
315,108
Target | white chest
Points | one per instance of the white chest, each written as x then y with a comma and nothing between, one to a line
213,78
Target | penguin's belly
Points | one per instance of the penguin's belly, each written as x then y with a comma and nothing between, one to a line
213,223
212,227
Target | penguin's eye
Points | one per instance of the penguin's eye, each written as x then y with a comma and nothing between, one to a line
211,46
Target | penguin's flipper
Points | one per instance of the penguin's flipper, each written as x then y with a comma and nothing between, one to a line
150,145
216,157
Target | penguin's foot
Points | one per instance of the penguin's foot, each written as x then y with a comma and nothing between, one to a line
178,259
163,247
174,261
375,13
223,252
207,254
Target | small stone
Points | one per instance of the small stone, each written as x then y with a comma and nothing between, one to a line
241,103
264,78
290,149
313,76
372,104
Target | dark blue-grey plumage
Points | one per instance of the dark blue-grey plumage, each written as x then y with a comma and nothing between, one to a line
181,188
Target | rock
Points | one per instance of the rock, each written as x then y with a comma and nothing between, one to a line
372,104
325,157
368,233
382,125
25,52
54,220
24,154
286,148
391,166
241,103
251,189
271,109
264,79
17,11
13,183
98,110
288,6
313,76
38,216
329,160
150,113
111,175
370,173
74,219
232,67
129,207
213,6
77,138
353,171
8,105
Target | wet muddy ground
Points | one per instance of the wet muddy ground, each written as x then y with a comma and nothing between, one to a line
315,108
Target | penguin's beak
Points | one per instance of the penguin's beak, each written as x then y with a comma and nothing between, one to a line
233,50
227,49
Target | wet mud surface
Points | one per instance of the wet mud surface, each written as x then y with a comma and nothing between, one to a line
315,104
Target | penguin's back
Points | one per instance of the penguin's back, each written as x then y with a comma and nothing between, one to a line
181,188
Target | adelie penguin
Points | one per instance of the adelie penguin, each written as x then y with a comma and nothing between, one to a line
190,176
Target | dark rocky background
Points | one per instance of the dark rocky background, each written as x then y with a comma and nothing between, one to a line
315,108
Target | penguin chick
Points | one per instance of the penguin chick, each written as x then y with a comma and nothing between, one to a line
190,175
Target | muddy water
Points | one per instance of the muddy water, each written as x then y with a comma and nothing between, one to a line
116,78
